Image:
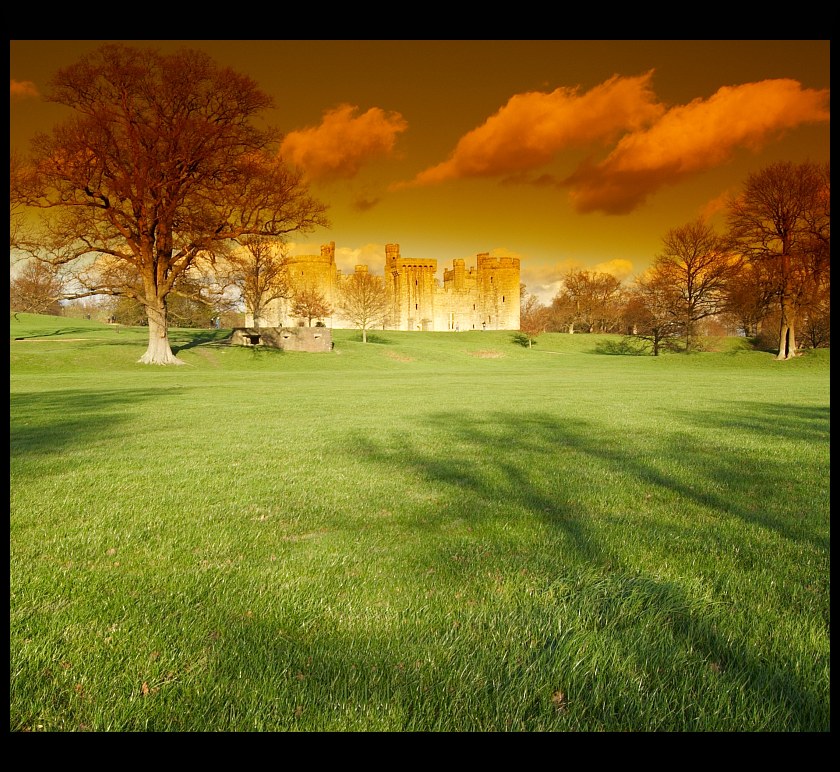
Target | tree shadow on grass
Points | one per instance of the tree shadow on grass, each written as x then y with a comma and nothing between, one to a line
198,338
372,337
51,422
506,472
627,346
319,662
58,332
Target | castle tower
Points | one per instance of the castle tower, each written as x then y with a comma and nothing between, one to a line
305,273
498,292
411,286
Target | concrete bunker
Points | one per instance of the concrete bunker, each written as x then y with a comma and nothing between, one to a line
308,339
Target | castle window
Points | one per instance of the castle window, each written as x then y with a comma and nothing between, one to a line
415,282
415,306
503,298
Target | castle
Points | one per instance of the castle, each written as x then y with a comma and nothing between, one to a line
485,296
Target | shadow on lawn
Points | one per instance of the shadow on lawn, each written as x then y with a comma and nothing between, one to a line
54,421
57,333
507,471
198,339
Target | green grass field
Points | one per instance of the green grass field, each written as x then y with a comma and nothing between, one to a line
428,532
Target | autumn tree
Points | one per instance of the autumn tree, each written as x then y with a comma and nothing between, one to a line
363,301
127,311
816,320
588,299
695,263
161,165
310,304
749,298
258,269
562,313
36,288
533,316
648,313
782,219
192,302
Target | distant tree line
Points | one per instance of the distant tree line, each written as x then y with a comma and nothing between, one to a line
766,278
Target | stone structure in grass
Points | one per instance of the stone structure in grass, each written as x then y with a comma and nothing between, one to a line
311,339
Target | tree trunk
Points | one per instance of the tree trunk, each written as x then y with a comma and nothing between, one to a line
364,334
159,351
689,337
787,336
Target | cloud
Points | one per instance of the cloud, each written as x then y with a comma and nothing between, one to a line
343,142
718,204
693,138
371,255
22,89
545,281
619,267
364,204
533,127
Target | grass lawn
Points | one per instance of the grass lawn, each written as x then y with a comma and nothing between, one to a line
429,532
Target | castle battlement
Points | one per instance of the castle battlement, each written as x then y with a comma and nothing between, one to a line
483,296
486,262
311,260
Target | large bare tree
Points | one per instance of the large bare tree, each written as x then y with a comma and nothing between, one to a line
363,300
161,165
782,217
695,263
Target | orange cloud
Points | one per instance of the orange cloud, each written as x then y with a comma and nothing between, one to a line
22,89
717,205
533,127
692,138
343,142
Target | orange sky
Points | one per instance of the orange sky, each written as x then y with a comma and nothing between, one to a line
564,153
